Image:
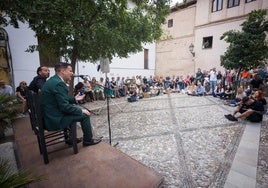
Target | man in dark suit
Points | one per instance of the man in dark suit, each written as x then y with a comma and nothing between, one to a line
38,81
57,109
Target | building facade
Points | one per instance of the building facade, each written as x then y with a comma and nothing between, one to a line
200,23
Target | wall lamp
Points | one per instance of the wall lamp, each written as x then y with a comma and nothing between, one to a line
191,49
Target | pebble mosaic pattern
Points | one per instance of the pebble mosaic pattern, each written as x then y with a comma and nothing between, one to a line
185,138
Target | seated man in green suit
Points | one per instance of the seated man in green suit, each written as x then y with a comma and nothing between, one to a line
57,109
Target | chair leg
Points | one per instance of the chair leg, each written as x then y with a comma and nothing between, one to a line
74,135
39,144
43,147
66,134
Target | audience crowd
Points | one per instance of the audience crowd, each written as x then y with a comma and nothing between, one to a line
244,91
227,85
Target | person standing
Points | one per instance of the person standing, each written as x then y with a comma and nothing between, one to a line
57,109
39,80
198,76
213,79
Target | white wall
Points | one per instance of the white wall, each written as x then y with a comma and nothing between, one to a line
24,63
125,67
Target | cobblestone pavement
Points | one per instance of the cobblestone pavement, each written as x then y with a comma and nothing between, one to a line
262,170
185,138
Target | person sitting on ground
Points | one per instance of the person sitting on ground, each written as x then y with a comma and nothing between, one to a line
154,90
172,86
191,89
228,92
238,98
258,96
5,89
88,90
207,88
56,106
250,109
140,94
39,80
21,96
160,87
199,89
219,91
96,89
79,89
101,84
132,95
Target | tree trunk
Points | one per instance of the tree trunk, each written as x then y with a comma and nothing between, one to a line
73,64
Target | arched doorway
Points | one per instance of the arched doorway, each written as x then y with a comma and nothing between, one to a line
6,68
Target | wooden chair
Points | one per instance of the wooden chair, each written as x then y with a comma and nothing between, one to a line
48,138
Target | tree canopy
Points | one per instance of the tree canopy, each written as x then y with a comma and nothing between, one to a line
248,48
89,29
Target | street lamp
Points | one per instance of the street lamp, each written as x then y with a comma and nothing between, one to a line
191,49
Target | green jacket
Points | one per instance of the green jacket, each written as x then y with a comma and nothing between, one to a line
56,104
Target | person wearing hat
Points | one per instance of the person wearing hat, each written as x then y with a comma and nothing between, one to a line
5,89
250,109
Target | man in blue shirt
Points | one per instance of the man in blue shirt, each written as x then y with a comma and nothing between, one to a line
200,89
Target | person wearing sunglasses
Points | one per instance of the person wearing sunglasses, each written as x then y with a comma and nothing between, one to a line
21,96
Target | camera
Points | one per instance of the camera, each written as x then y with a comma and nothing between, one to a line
82,92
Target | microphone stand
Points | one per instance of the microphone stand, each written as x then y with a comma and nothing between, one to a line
107,95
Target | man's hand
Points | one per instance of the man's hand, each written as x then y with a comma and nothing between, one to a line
79,97
84,111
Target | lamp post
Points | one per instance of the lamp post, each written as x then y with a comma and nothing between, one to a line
191,49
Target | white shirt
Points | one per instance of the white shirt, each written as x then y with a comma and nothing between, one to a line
213,76
6,90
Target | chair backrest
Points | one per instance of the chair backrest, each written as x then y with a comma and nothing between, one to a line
34,111
31,109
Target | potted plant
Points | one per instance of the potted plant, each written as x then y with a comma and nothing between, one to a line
8,111
11,178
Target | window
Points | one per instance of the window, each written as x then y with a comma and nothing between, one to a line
216,5
170,23
233,3
146,59
248,1
207,42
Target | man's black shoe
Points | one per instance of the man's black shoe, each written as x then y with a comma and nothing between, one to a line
69,142
91,142
231,117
